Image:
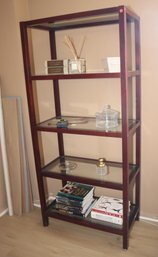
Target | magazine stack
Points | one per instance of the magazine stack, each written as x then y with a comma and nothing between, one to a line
108,209
75,199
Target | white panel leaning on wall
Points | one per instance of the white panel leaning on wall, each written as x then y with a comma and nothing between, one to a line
19,175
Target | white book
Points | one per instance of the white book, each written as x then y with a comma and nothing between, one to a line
107,218
109,206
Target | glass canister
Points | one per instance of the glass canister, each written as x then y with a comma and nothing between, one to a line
77,65
102,168
108,118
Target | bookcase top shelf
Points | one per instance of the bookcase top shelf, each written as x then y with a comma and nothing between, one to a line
98,17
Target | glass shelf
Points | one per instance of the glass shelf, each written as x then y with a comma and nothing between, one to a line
84,169
84,125
87,75
90,222
83,19
73,22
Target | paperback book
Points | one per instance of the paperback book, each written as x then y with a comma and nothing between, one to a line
74,203
109,206
77,209
108,209
76,191
66,210
75,199
107,218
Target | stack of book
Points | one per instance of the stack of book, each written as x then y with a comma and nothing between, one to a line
108,209
75,199
56,66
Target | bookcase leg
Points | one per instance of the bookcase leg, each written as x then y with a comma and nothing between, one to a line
45,221
125,242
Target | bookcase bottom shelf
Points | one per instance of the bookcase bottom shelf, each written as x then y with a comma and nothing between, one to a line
93,223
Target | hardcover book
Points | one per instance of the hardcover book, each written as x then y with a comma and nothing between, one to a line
106,218
76,191
77,209
74,211
109,206
71,202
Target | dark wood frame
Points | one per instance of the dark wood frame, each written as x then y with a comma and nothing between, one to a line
122,16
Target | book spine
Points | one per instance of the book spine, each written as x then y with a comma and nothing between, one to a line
69,202
69,208
55,63
108,218
72,197
72,213
75,212
107,213
84,194
56,67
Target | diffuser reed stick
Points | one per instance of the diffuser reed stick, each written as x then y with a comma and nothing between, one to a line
70,44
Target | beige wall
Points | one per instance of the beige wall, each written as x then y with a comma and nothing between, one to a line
11,67
12,80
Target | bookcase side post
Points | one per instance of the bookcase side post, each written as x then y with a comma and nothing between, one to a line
32,115
57,95
138,110
124,108
56,90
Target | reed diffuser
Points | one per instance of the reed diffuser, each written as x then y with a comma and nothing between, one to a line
78,64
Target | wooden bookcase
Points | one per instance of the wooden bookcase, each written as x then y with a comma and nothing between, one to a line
128,24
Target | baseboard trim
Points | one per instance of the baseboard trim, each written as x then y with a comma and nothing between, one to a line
37,202
148,219
3,212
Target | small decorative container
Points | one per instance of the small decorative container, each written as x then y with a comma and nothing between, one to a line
77,66
62,123
102,168
107,119
67,166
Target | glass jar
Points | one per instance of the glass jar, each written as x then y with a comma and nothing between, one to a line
102,168
108,118
77,65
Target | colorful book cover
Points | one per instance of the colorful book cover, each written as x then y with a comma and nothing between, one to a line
72,202
67,201
75,212
76,191
109,206
77,209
